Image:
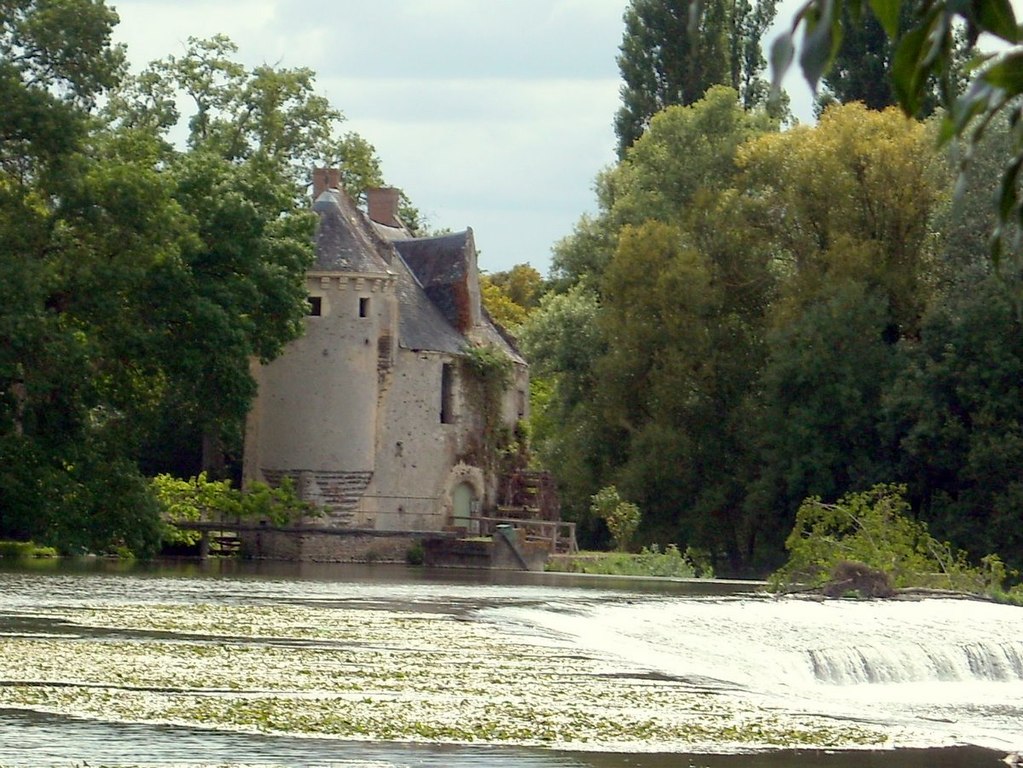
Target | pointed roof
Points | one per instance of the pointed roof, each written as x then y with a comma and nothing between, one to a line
432,276
347,242
421,324
344,241
441,265
437,260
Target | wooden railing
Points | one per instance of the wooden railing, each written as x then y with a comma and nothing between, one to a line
525,488
558,535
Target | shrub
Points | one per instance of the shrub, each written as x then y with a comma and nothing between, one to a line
199,499
415,554
16,550
22,550
649,561
874,530
622,517
280,505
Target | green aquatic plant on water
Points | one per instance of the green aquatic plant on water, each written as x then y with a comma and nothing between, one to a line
374,674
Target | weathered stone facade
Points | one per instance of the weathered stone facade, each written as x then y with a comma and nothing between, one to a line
370,412
325,547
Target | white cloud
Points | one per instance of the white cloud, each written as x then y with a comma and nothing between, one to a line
525,147
494,114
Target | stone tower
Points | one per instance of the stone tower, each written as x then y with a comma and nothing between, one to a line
368,411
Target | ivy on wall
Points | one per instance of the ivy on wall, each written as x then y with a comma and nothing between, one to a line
485,374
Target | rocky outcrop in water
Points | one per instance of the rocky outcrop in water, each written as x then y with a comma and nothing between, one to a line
849,577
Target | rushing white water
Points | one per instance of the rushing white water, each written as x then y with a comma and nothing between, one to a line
933,672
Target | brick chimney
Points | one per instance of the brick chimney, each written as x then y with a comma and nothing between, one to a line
324,179
382,206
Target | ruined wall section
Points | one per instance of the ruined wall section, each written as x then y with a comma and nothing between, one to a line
416,448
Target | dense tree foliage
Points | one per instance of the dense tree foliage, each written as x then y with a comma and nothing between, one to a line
138,280
82,217
957,411
850,198
763,317
929,40
678,297
511,295
673,51
862,67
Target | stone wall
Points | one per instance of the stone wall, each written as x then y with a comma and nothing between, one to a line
325,546
485,553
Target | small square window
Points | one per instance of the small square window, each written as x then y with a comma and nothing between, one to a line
315,306
364,307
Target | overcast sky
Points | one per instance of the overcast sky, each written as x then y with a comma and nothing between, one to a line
490,114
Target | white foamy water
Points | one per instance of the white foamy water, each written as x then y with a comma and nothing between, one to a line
932,672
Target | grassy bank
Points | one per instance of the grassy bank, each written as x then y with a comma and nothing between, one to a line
25,550
650,561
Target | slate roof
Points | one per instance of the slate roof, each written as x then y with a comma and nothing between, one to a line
390,233
343,241
346,242
428,273
436,260
489,332
421,325
439,263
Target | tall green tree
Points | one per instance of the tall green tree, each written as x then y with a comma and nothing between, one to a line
684,313
686,151
137,281
929,49
562,341
672,51
819,426
956,413
680,294
83,215
237,292
862,67
850,198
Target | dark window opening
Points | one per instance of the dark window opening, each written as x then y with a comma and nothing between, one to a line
447,394
364,307
315,306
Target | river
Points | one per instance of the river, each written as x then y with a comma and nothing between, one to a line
312,665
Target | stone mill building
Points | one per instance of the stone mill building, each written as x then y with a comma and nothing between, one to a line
371,412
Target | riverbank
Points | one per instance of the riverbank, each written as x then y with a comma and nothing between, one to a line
650,562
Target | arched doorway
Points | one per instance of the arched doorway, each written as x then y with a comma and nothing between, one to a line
463,504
